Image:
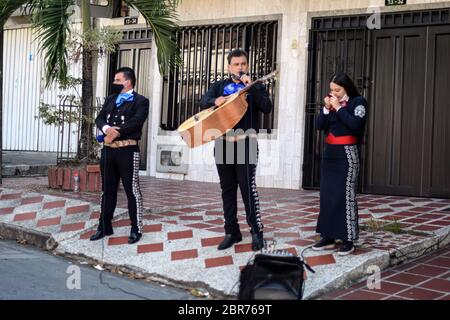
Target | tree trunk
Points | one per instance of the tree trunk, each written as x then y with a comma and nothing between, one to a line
86,152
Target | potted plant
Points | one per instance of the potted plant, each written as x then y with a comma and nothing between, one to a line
52,21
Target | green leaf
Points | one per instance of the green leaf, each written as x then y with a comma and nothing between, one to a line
160,16
52,25
7,7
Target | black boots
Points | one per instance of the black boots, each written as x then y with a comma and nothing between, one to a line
134,237
100,234
257,241
229,240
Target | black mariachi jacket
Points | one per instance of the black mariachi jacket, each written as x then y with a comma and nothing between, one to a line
349,120
258,100
129,117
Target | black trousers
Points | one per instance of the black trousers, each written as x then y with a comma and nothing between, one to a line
120,164
236,164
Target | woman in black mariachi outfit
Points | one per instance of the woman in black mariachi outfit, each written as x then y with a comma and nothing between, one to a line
342,119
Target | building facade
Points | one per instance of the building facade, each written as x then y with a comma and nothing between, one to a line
397,55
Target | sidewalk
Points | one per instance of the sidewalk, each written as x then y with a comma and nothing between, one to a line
26,163
426,278
184,224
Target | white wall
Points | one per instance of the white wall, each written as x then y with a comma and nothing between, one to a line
23,91
281,156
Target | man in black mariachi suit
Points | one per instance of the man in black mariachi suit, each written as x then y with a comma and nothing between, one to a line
236,153
121,120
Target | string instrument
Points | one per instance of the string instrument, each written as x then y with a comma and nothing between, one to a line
212,123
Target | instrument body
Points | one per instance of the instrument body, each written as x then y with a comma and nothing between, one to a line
212,123
209,124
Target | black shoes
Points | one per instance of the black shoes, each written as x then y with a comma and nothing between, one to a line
100,234
346,248
257,241
324,244
134,237
229,240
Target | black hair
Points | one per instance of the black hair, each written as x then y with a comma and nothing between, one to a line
343,80
128,74
236,53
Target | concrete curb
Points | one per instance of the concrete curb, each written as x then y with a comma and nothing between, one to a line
137,273
39,239
10,171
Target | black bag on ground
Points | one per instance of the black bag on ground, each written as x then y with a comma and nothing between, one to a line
273,277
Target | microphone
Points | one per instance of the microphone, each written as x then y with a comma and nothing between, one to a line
237,77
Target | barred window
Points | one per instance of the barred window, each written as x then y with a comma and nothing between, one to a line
204,51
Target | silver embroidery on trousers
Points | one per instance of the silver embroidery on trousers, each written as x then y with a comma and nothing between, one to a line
351,206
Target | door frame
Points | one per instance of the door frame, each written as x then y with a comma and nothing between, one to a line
389,20
136,39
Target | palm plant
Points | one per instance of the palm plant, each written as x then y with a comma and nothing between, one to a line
51,20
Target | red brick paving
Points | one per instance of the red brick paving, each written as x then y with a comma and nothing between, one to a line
320,260
180,235
6,210
198,225
287,211
152,247
184,254
191,218
121,223
95,215
208,242
25,216
31,200
425,278
49,222
78,209
11,196
218,262
152,228
87,235
54,204
246,247
72,226
114,241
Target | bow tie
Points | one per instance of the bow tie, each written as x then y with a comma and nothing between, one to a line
123,97
233,88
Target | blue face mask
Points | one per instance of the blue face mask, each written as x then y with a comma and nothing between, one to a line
232,88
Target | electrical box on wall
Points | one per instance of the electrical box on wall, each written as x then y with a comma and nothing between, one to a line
171,159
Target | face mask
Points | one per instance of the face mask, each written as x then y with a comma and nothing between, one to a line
116,88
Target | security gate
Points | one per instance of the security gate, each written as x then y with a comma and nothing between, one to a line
404,72
135,52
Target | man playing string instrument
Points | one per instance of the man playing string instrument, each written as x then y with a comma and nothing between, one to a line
236,153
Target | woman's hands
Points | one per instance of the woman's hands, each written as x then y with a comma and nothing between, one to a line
331,103
327,102
335,104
